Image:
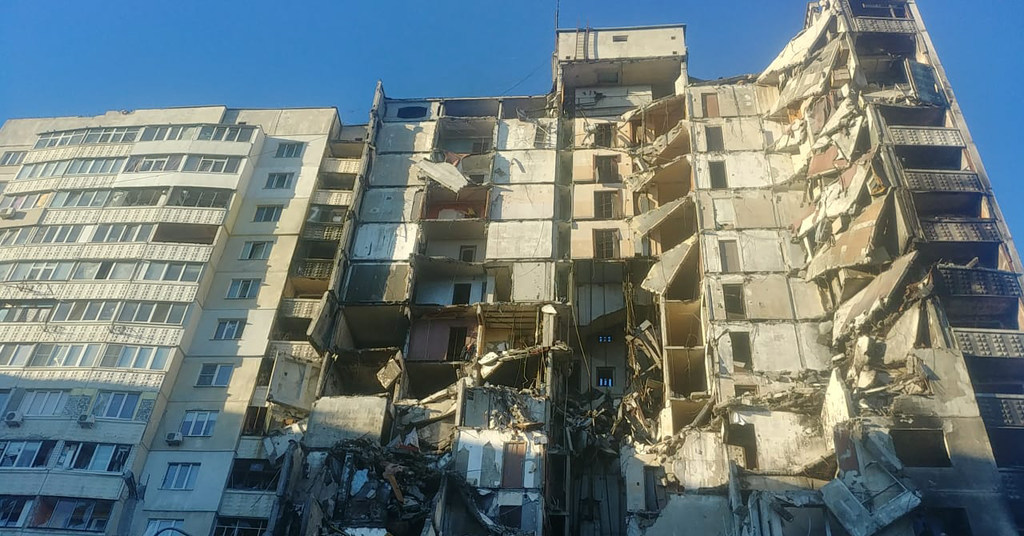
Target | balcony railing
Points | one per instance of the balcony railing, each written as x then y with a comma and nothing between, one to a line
323,231
960,231
880,25
340,165
335,198
314,268
297,350
298,308
942,181
990,342
926,136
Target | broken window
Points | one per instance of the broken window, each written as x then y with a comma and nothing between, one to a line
719,179
743,436
606,376
735,308
265,371
461,293
255,421
252,475
729,254
654,491
745,390
709,102
239,526
606,168
605,205
467,253
741,355
606,243
603,134
411,112
510,516
920,448
715,140
457,348
512,464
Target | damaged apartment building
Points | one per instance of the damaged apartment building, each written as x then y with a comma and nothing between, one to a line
778,304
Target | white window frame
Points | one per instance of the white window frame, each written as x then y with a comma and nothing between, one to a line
65,355
198,423
152,312
15,517
115,404
279,181
155,525
244,289
15,354
180,476
84,311
122,232
130,356
43,403
12,158
154,163
215,375
19,449
187,272
268,213
104,271
289,149
251,248
101,456
208,163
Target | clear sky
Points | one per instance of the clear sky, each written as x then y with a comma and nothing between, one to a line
84,57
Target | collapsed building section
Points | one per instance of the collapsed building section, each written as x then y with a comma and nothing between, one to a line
776,304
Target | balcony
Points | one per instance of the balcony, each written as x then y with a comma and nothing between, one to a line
925,136
883,25
340,165
337,198
978,297
919,180
295,350
314,268
990,343
323,231
298,308
960,230
235,503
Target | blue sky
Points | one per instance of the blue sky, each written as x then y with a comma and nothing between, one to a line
83,57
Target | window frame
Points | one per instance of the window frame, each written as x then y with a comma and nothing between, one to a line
216,374
290,149
236,325
599,236
250,246
113,405
268,213
173,473
279,181
244,288
38,456
55,397
190,421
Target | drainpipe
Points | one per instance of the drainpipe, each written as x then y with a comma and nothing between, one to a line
282,486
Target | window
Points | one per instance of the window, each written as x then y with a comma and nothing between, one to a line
411,112
256,250
56,234
255,420
714,138
26,312
243,288
239,526
253,475
123,232
88,456
180,476
136,197
920,447
606,205
467,253
461,293
115,405
458,347
25,453
12,158
606,168
153,162
152,312
137,357
735,307
104,270
156,525
92,135
606,243
199,197
43,403
172,271
729,256
740,342
84,311
14,355
12,509
279,181
78,166
709,102
198,423
212,164
229,329
16,236
168,133
20,202
620,38
40,271
289,150
84,198
77,514
605,376
65,355
268,213
214,375
213,133
719,179
603,134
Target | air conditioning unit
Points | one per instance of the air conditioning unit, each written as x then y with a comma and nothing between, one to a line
86,421
173,438
13,418
7,213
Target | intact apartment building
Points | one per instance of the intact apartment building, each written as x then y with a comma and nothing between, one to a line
777,304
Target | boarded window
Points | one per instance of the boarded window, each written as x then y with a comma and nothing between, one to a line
719,178
714,138
735,308
740,349
729,253
606,243
606,376
606,205
457,343
606,168
512,465
709,101
920,448
603,134
460,293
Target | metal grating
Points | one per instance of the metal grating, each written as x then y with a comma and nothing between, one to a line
869,24
314,269
973,282
990,343
926,136
1001,410
942,181
960,231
